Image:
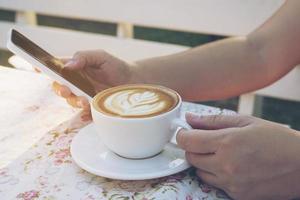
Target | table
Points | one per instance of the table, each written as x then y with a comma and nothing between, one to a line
36,129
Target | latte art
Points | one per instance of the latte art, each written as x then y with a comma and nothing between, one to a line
133,101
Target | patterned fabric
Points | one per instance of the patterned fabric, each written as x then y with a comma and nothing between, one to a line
28,110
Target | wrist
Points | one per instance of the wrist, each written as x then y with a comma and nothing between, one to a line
136,74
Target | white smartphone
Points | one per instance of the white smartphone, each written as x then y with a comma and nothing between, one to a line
50,65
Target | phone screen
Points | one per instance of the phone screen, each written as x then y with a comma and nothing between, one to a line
77,78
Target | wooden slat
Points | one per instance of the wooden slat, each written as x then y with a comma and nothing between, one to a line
66,42
234,17
246,104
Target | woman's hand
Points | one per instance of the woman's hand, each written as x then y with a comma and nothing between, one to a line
247,157
101,69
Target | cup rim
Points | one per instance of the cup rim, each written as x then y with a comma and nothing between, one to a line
161,115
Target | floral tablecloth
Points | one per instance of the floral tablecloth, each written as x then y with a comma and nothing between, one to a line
47,171
28,110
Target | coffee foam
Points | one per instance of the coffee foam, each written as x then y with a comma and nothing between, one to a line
137,101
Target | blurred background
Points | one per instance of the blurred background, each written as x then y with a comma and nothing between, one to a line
282,111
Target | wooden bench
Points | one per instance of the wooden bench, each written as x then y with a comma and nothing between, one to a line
226,18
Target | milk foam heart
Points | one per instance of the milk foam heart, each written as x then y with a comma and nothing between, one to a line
134,102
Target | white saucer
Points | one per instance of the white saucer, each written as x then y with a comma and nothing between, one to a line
91,155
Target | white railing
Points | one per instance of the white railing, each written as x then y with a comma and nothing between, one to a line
228,18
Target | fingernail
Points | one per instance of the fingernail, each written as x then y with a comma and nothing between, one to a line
79,103
71,63
192,115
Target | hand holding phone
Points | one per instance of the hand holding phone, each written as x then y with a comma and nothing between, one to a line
50,65
89,73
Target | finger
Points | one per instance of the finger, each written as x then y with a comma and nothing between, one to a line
56,87
64,60
202,141
64,91
61,90
209,178
212,122
205,162
37,70
73,101
83,59
86,115
83,102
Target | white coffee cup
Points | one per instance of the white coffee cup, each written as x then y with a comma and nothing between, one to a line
138,138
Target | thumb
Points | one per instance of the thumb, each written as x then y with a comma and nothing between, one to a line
213,122
82,59
74,64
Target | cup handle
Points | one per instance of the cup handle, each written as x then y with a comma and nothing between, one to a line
176,125
179,124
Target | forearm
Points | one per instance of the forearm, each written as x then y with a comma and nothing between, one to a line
233,66
214,71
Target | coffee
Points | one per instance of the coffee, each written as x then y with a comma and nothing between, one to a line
136,101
